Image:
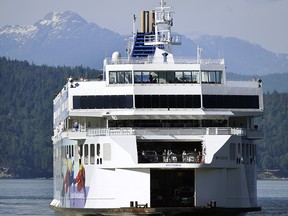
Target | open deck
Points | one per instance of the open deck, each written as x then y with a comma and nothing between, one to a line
91,132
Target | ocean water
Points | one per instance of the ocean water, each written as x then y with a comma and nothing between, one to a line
32,197
272,197
26,197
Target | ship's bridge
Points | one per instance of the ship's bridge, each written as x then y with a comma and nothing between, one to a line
164,69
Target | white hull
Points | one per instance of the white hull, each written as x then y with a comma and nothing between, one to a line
115,178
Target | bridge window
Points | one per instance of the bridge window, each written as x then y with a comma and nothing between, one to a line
187,77
121,77
146,77
125,77
166,77
213,77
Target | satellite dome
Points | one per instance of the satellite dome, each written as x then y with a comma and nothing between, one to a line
116,57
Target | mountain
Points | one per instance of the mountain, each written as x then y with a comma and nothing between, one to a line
270,82
67,39
60,39
243,57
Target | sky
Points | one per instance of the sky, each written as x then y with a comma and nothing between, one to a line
263,22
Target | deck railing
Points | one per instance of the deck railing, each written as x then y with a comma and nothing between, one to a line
150,60
165,131
92,132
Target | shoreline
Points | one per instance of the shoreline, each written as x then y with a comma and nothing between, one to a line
5,173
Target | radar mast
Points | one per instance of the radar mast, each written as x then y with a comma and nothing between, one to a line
163,24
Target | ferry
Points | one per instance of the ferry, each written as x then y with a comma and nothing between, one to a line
156,134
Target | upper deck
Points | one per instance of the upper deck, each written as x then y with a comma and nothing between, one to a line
152,83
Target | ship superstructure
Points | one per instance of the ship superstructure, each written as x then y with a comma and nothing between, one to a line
158,134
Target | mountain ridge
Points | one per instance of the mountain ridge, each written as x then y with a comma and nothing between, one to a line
245,55
66,38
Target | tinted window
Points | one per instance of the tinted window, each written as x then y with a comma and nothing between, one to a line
101,102
167,101
231,101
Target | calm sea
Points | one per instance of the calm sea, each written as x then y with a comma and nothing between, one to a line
272,197
32,197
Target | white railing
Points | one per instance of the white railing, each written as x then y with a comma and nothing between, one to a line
165,131
109,132
92,132
150,60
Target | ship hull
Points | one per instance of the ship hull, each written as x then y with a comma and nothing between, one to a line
179,211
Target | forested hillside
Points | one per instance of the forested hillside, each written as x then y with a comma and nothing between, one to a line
26,94
273,149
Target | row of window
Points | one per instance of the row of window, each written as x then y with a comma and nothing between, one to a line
69,151
125,77
89,154
89,151
166,101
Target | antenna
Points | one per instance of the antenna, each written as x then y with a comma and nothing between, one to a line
134,24
199,50
162,3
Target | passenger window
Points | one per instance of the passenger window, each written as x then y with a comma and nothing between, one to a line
98,149
86,153
92,153
69,151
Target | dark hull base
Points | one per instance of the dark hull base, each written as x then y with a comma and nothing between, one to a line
180,211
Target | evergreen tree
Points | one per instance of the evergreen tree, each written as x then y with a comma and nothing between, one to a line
26,113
